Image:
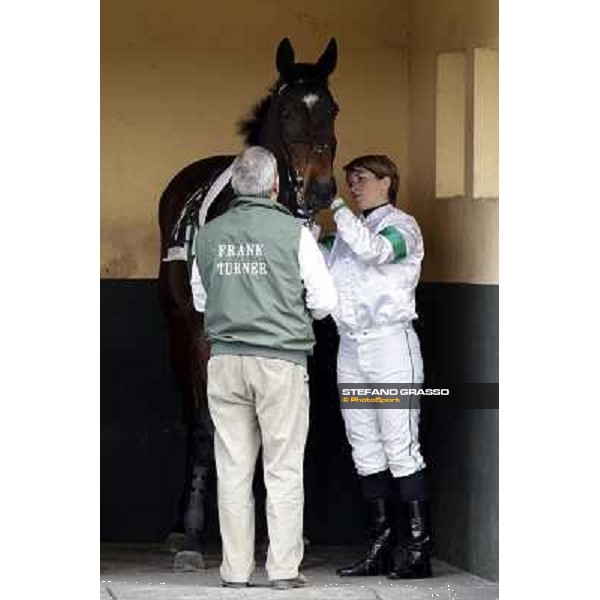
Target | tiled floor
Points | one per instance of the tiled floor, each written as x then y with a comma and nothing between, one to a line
136,572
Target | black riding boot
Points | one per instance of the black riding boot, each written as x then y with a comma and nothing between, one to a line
411,557
378,560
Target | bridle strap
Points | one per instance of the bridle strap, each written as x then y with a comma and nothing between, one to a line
294,178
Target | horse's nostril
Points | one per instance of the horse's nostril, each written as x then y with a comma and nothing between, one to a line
318,189
319,194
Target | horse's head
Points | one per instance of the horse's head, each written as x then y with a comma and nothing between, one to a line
296,122
302,115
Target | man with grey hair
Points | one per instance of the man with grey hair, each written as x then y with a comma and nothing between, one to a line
255,173
259,276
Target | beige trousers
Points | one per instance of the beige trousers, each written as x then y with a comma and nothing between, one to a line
253,399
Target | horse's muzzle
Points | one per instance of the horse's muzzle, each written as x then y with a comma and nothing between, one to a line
319,194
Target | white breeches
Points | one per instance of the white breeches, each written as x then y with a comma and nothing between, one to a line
382,438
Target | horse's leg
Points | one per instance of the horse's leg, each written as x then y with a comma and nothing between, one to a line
189,355
179,338
200,439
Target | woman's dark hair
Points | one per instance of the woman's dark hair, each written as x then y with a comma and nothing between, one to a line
381,166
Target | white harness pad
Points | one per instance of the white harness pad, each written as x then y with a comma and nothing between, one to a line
184,249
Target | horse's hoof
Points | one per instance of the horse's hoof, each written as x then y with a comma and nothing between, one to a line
187,560
174,542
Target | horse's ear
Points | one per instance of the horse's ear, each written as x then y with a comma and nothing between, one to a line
326,64
285,56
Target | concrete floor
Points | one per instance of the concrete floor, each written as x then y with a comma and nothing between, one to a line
136,572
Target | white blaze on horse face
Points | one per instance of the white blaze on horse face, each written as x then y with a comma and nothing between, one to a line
310,100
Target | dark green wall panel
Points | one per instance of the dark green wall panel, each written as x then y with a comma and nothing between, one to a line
143,445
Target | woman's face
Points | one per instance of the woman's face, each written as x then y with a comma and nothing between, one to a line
366,189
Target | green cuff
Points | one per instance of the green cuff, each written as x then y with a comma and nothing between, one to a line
327,242
397,241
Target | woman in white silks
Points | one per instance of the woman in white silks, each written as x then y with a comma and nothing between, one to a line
375,259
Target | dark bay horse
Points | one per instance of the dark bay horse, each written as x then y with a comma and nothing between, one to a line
295,121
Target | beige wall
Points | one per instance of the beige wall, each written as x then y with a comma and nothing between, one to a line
177,76
461,234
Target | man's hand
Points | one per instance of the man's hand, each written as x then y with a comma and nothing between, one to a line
315,230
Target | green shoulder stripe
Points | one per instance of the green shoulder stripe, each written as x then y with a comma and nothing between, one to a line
327,242
398,243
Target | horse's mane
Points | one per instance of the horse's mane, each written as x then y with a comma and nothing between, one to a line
249,127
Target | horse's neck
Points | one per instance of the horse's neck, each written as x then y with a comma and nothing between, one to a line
270,139
269,136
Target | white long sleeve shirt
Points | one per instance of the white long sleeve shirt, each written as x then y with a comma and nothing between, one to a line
376,263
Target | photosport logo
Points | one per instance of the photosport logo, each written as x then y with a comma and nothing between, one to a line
411,395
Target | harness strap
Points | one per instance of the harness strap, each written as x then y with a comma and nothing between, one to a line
193,216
